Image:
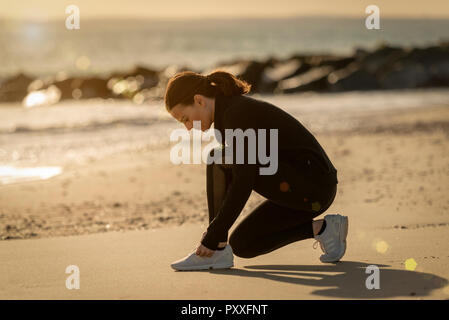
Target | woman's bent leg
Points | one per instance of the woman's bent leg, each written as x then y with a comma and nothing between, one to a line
296,196
218,180
269,227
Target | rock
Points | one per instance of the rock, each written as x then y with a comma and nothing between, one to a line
429,56
333,61
263,75
43,97
66,88
15,88
435,60
405,75
281,70
352,78
380,59
253,74
360,53
135,83
125,88
152,90
93,88
235,67
439,74
148,78
303,65
83,88
313,80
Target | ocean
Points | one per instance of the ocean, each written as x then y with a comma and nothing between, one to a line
48,47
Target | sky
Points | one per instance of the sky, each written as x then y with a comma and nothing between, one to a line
175,9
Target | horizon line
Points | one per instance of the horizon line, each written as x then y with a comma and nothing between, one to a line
224,18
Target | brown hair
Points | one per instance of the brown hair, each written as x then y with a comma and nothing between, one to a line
183,86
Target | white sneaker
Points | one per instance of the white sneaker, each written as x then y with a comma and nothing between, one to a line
221,259
333,238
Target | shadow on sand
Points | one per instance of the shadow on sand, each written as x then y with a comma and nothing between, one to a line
346,279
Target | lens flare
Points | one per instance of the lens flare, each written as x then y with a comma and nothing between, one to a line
410,264
82,63
381,246
9,174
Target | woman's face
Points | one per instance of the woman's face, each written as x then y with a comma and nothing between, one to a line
202,110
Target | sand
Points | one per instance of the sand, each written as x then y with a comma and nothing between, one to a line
123,219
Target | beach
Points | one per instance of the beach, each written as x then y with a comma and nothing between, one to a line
393,179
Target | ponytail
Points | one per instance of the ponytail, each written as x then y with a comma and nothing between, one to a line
228,84
183,86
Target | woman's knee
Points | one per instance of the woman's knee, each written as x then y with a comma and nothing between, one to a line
328,200
239,248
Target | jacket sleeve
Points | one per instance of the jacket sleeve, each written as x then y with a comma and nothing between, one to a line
243,181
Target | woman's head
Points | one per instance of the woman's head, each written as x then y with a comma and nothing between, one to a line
190,96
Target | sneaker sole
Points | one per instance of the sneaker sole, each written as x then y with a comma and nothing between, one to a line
206,267
343,234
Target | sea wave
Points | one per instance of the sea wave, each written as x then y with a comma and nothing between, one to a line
80,132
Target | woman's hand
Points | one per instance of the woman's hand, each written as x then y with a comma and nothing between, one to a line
202,251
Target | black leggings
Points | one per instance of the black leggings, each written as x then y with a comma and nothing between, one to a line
300,190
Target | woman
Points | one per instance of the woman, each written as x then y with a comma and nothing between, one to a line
302,188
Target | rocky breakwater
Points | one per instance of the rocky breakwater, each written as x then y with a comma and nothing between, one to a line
383,68
139,84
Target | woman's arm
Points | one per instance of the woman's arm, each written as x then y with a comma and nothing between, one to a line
243,181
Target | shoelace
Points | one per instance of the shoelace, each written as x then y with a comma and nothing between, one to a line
321,245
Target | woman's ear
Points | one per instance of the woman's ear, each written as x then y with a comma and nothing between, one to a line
199,100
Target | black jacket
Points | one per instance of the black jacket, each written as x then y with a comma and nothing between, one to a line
294,142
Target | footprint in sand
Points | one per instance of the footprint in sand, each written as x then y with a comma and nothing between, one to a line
66,183
102,173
